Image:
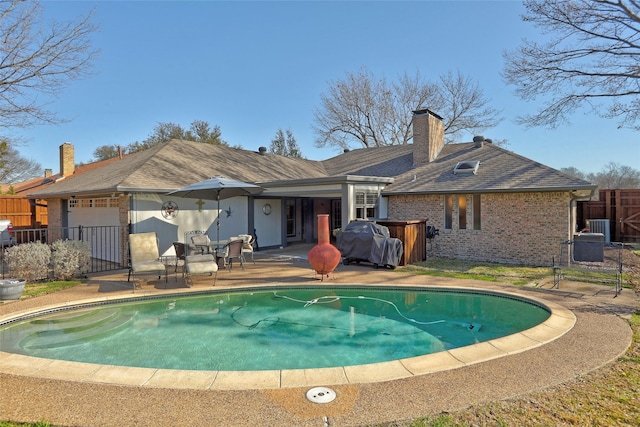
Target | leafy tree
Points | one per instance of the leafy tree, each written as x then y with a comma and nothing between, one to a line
15,168
589,59
278,143
105,152
163,132
199,131
285,146
38,60
370,111
612,176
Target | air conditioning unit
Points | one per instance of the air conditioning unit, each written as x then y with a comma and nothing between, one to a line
600,226
588,247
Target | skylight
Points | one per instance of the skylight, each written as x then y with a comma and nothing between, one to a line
466,167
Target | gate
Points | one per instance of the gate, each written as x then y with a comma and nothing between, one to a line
108,243
620,207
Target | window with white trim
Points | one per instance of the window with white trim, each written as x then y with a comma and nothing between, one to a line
101,202
366,205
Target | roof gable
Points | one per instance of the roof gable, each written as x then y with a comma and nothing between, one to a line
385,161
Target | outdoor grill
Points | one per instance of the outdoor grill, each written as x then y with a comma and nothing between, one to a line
369,242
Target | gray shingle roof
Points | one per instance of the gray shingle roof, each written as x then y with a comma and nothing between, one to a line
500,170
375,161
178,163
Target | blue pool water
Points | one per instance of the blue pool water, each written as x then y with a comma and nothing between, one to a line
284,328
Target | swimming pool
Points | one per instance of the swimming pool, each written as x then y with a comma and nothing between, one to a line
272,328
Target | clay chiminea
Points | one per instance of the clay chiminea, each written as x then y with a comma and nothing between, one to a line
324,257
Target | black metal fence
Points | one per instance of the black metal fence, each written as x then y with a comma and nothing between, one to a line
108,244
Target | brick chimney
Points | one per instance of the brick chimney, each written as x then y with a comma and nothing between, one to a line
67,165
428,136
48,173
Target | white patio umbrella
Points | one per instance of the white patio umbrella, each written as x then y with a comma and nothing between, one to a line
217,188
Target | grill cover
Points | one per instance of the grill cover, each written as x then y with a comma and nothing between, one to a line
368,241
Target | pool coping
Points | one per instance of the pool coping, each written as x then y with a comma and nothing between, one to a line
560,321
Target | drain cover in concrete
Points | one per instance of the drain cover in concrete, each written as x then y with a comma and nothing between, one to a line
321,395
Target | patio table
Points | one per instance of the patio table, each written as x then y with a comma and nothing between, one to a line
208,248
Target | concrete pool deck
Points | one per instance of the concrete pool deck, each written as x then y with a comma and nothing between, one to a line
65,393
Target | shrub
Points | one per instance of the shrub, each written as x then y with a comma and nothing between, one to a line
29,261
69,258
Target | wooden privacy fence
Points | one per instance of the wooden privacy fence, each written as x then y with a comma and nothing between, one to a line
620,207
23,213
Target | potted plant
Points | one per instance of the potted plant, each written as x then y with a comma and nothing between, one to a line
11,289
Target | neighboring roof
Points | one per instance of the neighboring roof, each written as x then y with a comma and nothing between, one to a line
176,164
35,185
28,185
500,170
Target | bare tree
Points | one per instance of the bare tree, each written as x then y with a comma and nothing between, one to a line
464,107
13,167
575,172
590,58
37,62
366,110
612,176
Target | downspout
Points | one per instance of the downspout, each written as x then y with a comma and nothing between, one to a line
132,209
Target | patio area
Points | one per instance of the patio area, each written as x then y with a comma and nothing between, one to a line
43,391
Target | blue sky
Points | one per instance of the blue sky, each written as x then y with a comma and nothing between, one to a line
255,67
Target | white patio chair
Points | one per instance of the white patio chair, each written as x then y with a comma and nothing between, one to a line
247,246
200,264
145,256
201,243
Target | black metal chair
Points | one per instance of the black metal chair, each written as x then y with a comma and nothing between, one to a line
180,253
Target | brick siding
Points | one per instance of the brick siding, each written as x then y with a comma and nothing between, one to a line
54,213
520,228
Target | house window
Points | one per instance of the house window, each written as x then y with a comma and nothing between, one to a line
100,203
105,202
462,212
448,212
336,213
477,209
290,208
366,205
